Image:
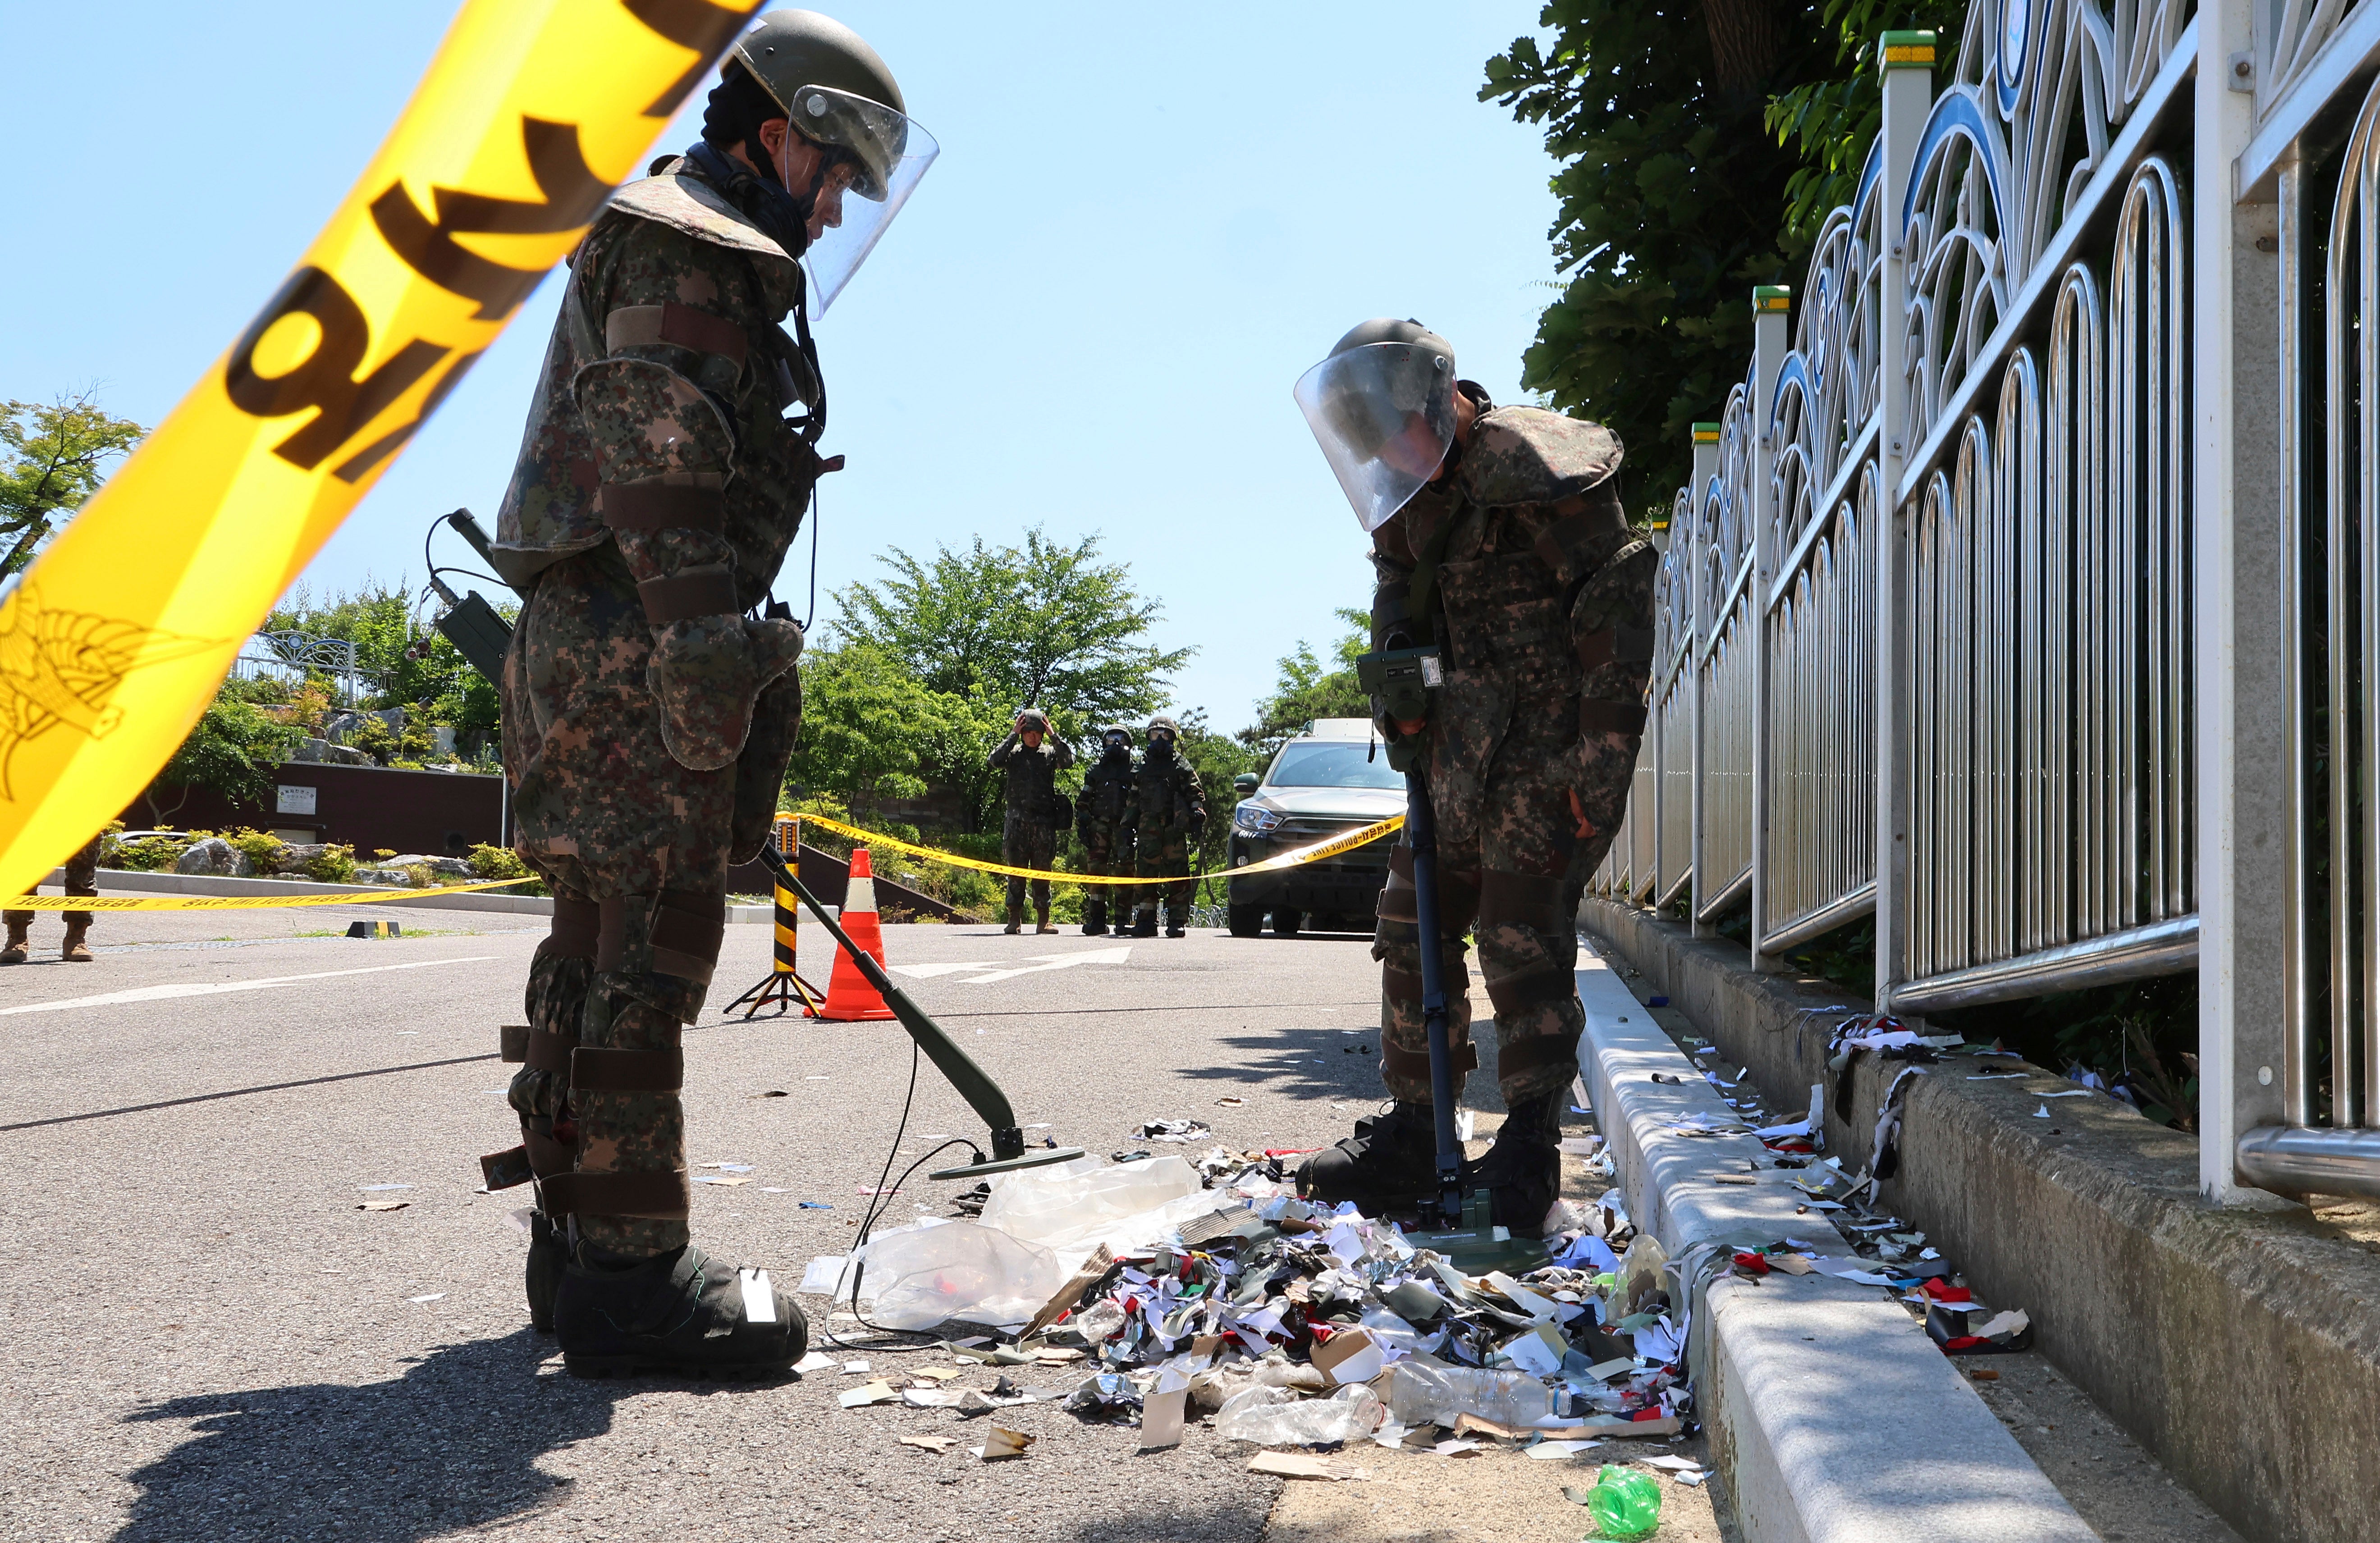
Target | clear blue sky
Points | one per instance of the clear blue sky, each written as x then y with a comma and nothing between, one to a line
1145,223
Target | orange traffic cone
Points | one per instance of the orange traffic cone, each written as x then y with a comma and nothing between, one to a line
849,997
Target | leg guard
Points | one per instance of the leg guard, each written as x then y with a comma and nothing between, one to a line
1529,954
556,1003
1396,943
654,956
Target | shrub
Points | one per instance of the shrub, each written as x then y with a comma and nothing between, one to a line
332,864
421,876
262,848
155,853
491,862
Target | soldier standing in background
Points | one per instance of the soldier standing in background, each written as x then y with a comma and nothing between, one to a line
1104,821
1032,757
648,712
82,878
1171,812
1498,538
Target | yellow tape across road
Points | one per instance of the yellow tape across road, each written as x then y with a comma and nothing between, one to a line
530,114
233,902
1331,847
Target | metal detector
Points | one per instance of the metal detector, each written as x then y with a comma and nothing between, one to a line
974,1084
1454,1221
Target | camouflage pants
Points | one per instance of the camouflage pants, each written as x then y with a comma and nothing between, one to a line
1161,854
82,878
1027,844
635,847
1107,850
1501,775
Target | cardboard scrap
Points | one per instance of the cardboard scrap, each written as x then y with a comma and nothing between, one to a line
1000,1441
1666,1425
1350,1355
1789,1264
1466,1424
1161,1418
874,1393
1295,1464
932,1443
1069,1294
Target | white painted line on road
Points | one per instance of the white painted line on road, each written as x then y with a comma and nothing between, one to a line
928,972
1054,961
196,989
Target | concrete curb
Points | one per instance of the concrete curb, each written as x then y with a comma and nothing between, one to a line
1836,1419
2240,1347
115,881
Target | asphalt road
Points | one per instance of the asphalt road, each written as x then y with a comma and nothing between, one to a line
209,1340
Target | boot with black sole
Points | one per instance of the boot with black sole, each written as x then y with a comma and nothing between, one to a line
549,1254
1145,925
20,944
1390,1164
1522,1173
1095,919
680,1313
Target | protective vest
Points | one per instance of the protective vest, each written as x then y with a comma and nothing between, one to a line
1167,793
745,365
1107,791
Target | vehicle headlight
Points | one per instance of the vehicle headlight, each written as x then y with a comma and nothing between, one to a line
1253,820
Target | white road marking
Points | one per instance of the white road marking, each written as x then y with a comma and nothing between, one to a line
1055,962
197,989
928,972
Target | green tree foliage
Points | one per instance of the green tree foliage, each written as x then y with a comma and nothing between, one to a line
405,664
960,642
51,459
1671,200
1216,758
1308,689
1830,123
234,750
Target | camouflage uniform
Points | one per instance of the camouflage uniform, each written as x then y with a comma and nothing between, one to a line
646,722
1542,605
1104,818
1029,833
1169,808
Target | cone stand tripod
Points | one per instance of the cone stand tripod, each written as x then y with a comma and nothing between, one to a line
974,1084
782,988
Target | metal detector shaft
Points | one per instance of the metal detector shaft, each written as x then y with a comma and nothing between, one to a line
1421,836
974,1084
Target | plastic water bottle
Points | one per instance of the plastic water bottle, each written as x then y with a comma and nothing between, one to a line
1419,1393
1624,1503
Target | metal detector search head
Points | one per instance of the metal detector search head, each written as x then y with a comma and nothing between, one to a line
1009,1152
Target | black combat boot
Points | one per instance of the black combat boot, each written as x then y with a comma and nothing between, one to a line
1015,917
547,1254
1095,919
1174,917
680,1313
1145,924
1390,1164
1522,1173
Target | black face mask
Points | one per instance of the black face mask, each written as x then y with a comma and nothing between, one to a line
1161,744
1118,750
785,220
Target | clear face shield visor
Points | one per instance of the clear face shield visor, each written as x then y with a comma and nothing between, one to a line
885,153
1384,416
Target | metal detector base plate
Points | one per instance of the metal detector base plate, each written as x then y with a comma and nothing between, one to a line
1476,1253
1041,1158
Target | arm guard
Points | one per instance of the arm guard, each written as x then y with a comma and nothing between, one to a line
658,408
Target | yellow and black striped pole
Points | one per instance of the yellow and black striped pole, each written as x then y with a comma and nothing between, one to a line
782,985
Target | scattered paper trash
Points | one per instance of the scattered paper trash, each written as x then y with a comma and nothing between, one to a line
874,1393
999,1441
815,1361
1295,1464
931,1443
432,1296
371,1188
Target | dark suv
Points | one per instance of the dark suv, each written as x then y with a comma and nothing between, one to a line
1331,779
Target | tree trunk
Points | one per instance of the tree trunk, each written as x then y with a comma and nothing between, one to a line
1744,42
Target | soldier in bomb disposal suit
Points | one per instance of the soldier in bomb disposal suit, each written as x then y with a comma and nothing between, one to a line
1104,821
1499,537
1170,809
648,714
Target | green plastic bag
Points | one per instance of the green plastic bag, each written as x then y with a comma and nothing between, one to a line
1624,1503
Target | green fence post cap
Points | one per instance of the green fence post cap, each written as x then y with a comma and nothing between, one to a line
1771,297
1705,433
1906,50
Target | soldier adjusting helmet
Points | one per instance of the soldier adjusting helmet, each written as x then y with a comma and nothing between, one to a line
837,92
1382,409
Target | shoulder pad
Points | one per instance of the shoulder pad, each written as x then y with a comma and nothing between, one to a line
684,203
1530,456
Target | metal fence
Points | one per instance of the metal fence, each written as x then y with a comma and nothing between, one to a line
2027,597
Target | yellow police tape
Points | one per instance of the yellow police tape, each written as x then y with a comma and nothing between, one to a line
530,114
1331,847
233,902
